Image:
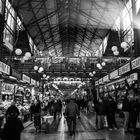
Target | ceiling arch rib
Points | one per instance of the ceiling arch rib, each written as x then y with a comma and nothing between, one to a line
67,22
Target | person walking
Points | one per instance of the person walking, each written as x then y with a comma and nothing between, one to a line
37,115
32,106
126,111
100,110
111,110
71,113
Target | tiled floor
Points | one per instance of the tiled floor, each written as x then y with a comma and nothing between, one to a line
85,131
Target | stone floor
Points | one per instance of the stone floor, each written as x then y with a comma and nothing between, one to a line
85,131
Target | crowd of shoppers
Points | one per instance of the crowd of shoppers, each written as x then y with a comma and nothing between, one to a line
105,108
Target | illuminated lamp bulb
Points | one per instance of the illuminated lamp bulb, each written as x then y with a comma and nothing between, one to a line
25,58
44,75
18,51
103,63
41,69
90,74
35,67
48,77
94,72
124,45
114,48
28,54
98,65
116,53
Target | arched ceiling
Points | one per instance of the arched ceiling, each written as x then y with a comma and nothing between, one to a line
68,27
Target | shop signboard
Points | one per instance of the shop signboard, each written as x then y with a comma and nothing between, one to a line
6,87
114,74
106,78
101,81
25,78
33,82
16,74
124,69
135,63
96,83
4,68
132,77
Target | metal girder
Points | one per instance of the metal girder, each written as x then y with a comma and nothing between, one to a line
37,23
51,33
32,22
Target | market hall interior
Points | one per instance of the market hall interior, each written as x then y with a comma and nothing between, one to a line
69,69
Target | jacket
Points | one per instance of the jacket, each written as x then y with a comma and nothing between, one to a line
12,129
71,110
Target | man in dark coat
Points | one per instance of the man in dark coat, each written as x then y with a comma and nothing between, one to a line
71,113
12,129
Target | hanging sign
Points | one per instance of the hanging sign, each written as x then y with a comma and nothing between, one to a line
16,74
135,63
114,74
4,68
101,81
106,78
124,69
132,77
96,83
25,78
33,82
7,87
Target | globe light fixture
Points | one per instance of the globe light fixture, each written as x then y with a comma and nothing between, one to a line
18,51
103,63
98,65
28,54
114,48
44,75
94,72
48,77
90,74
116,53
40,69
25,58
35,67
124,45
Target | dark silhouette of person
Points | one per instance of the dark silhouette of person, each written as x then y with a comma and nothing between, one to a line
111,110
32,107
37,115
12,110
12,129
71,113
